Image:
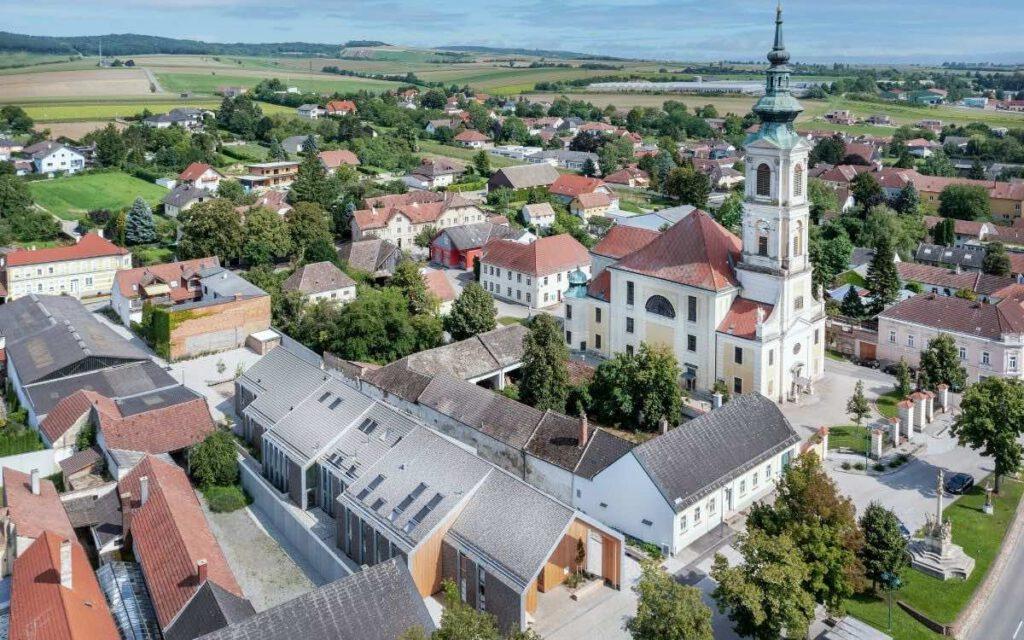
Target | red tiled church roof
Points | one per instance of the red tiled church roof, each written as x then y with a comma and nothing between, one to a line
741,320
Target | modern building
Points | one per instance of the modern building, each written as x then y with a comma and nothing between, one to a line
739,310
268,175
53,157
158,284
83,270
533,274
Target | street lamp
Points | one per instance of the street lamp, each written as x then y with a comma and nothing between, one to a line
891,582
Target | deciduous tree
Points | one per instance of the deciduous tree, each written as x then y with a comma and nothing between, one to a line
997,261
545,377
214,460
940,363
211,228
266,237
884,552
991,419
472,313
857,406
668,610
964,202
637,391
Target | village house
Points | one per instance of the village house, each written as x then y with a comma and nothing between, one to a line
201,176
567,186
534,274
458,247
373,256
318,281
183,197
310,111
629,176
473,140
946,281
158,284
540,215
336,158
596,203
1006,199
32,507
267,175
441,288
841,116
189,118
433,173
340,108
83,270
922,148
989,337
524,176
52,157
962,258
400,218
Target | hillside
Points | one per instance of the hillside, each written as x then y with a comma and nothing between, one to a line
127,44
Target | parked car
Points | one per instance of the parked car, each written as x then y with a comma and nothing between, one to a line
904,531
958,483
870,364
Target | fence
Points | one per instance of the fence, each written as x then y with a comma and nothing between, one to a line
297,526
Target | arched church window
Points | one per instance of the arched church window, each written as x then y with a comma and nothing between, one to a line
764,180
798,181
798,239
659,305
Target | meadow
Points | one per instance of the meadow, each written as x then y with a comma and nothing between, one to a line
208,83
70,198
62,111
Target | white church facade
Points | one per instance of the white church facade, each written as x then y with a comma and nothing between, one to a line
737,310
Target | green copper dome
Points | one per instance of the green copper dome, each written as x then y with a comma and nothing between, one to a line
777,108
577,284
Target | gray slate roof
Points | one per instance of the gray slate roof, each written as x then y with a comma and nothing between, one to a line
210,608
357,450
377,603
316,421
602,450
528,175
475,235
317,277
371,256
46,335
183,194
952,256
711,450
480,355
280,380
119,381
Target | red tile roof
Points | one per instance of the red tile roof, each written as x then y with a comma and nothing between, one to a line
996,190
624,176
170,536
621,241
696,251
570,185
975,281
162,430
337,106
90,246
418,209
131,281
960,227
438,284
545,256
32,514
470,135
741,320
195,171
949,313
70,409
600,286
43,609
594,200
1016,262
336,158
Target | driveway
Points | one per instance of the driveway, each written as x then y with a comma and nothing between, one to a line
827,407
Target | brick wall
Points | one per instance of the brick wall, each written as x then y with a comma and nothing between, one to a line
219,327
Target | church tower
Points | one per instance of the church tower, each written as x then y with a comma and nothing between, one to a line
774,267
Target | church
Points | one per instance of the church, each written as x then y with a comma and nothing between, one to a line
739,310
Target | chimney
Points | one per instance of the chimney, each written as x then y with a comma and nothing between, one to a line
201,571
34,476
126,511
584,429
143,490
663,426
65,564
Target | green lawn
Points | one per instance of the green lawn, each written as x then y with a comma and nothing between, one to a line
225,499
887,404
434,148
14,441
834,355
72,197
507,320
208,83
59,110
979,534
848,436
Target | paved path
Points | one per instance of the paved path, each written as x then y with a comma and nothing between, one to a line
153,80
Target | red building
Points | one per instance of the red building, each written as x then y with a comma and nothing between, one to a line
457,247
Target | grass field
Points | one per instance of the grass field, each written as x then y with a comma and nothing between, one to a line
208,83
95,110
72,197
980,536
432,148
94,82
15,59
848,436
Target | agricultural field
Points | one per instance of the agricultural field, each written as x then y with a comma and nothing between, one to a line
93,110
15,59
70,198
75,130
209,82
95,82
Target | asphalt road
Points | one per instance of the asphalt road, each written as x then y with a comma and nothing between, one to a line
1003,618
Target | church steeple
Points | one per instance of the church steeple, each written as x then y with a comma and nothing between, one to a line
777,109
778,54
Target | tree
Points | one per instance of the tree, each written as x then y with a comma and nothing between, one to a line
964,202
764,596
211,228
638,391
857,406
312,184
408,279
884,553
944,232
829,250
425,236
905,232
472,313
276,151
231,190
214,460
688,185
482,163
937,164
904,381
852,306
14,119
991,419
459,621
139,227
828,150
809,510
977,170
730,214
997,261
307,224
940,364
883,277
866,190
15,196
907,200
266,237
822,197
320,249
110,147
86,436
545,378
589,168
668,610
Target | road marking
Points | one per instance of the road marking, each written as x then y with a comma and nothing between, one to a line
1019,625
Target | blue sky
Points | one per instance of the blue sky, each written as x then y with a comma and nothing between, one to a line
816,30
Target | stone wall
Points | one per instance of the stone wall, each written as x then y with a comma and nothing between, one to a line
217,327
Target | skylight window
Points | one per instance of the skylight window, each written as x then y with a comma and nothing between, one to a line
406,501
334,404
327,394
423,513
368,489
368,426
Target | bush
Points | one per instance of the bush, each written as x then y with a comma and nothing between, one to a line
214,460
859,466
226,499
651,549
878,466
846,466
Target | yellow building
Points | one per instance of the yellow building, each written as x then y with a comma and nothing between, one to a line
82,270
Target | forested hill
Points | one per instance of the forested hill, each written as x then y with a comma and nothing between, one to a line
127,44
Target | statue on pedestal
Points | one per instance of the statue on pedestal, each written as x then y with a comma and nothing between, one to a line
935,553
